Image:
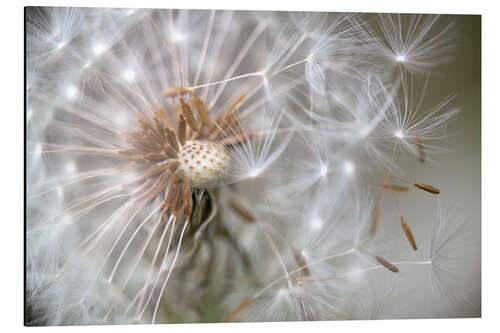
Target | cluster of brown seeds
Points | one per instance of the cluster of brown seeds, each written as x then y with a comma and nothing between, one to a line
176,149
404,225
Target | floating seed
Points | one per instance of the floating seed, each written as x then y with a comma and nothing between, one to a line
408,233
420,147
427,188
375,220
387,265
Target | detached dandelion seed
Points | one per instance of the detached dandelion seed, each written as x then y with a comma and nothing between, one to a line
387,265
408,234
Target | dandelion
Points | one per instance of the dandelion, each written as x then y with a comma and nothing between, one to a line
415,42
250,156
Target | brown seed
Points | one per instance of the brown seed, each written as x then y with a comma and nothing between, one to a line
375,220
188,199
181,198
173,188
188,114
155,170
202,110
174,91
181,130
173,166
427,188
242,211
169,151
409,234
160,117
143,145
387,265
127,151
395,188
160,127
177,204
171,139
420,147
155,157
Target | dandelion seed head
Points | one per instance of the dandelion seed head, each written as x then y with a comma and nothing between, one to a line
136,171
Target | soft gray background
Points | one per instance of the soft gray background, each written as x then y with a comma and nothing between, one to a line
458,173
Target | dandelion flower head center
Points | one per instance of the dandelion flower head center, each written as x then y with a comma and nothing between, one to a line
204,162
175,157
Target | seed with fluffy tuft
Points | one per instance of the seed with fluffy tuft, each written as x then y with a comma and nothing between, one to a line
205,162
